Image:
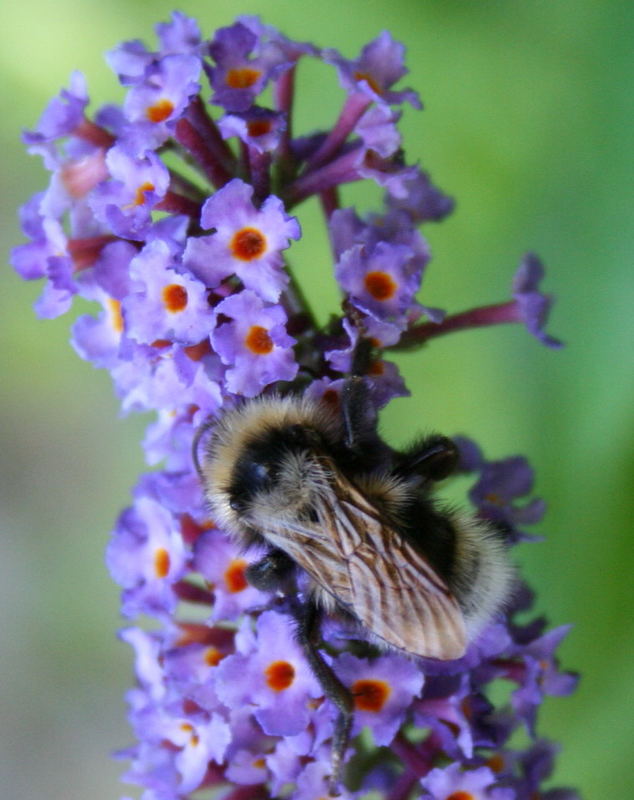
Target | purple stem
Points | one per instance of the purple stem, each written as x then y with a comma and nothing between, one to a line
179,204
204,124
353,108
403,786
259,168
191,139
412,756
91,132
329,200
284,93
342,170
497,314
191,593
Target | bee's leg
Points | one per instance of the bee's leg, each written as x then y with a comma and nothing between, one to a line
271,573
359,415
435,458
308,633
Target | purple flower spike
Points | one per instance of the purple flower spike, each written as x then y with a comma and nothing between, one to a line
172,218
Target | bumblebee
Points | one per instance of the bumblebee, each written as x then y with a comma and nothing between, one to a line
323,494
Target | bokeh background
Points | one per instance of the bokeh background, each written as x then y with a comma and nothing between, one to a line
528,123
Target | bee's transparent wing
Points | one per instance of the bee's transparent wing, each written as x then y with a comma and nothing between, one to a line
384,581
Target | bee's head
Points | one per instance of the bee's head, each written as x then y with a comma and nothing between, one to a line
263,460
274,469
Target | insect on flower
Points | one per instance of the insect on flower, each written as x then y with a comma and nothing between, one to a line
323,494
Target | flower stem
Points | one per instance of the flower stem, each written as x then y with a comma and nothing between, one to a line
496,314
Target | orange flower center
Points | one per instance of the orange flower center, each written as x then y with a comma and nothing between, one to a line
160,111
247,244
242,78
161,562
258,340
370,695
139,197
364,76
234,576
380,285
116,317
495,762
460,796
279,675
213,656
175,297
259,127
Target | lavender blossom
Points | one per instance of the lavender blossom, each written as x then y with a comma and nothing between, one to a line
196,306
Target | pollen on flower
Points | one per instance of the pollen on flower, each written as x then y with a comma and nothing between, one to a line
234,576
194,738
364,76
197,351
259,127
370,695
376,368
213,656
160,111
258,340
248,243
495,763
139,197
460,795
380,285
175,297
116,317
242,78
161,562
279,675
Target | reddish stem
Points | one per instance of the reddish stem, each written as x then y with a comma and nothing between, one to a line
191,593
179,204
196,144
85,252
412,756
204,124
403,786
284,93
257,792
344,169
496,314
353,108
93,133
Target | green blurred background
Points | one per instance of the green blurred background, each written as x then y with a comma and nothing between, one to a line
528,123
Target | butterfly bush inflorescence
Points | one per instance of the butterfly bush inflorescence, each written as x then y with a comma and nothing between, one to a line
176,221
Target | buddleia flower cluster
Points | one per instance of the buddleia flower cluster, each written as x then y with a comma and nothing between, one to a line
174,215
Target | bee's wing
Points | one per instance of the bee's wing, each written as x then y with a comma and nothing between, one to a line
379,576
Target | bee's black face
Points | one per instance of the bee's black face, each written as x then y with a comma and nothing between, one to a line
259,467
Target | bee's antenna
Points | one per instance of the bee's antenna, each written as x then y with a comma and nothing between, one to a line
201,430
